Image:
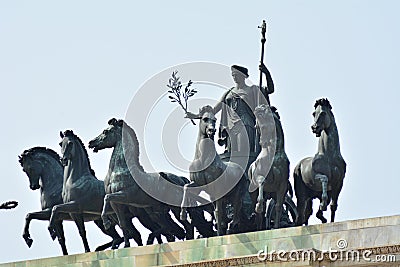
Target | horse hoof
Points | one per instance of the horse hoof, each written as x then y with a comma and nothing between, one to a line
170,238
52,233
28,240
150,240
115,245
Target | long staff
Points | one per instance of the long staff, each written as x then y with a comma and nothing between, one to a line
263,28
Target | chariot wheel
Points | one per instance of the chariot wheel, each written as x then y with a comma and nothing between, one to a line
289,213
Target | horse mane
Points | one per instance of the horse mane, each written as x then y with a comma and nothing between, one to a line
126,129
38,149
205,109
323,102
70,133
275,111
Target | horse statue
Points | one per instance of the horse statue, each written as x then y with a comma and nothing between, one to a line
45,172
320,176
122,188
207,167
82,192
273,182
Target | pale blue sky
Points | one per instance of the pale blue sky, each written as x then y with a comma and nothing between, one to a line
76,64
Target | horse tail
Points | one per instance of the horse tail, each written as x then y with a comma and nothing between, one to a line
297,177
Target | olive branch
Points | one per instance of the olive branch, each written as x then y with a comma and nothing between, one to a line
176,93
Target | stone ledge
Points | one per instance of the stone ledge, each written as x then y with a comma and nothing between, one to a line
379,235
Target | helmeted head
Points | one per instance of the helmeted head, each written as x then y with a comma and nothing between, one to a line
239,73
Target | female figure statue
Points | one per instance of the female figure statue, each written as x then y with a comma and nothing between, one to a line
237,127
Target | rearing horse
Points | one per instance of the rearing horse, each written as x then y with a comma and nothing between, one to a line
82,192
272,182
123,189
320,176
43,167
207,167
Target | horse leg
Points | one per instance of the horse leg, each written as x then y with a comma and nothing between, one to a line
61,238
147,222
122,221
219,213
168,227
308,211
189,228
260,199
106,210
324,198
320,216
109,199
204,227
334,203
73,209
237,202
280,198
43,215
80,223
186,200
301,192
56,212
260,218
183,214
134,233
110,232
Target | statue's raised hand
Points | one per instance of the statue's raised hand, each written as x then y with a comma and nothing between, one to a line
263,68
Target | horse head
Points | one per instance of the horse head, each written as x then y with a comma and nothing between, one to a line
207,122
36,162
32,168
109,137
322,116
67,145
262,113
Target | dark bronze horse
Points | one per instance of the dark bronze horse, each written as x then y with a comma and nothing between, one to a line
207,167
320,176
82,192
122,187
45,172
271,182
